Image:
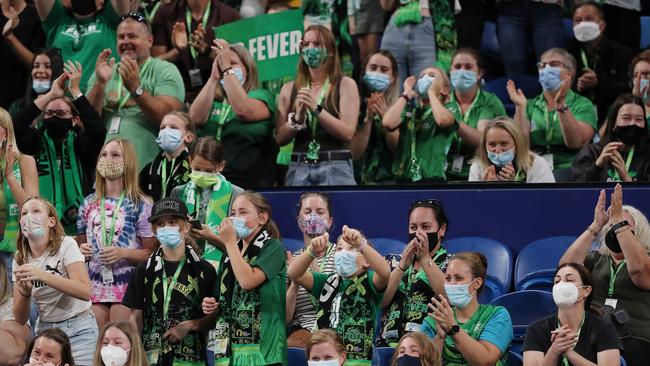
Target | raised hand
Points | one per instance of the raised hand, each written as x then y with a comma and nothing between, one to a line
130,73
353,237
616,205
179,36
409,83
600,214
198,39
490,174
607,153
104,66
73,73
319,245
12,22
507,173
516,95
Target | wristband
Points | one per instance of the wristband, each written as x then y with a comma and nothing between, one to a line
223,73
23,295
399,265
592,231
406,97
77,96
311,252
293,124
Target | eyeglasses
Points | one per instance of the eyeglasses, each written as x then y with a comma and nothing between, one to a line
57,112
541,65
133,15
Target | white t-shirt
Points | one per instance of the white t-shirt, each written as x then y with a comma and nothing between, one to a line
53,305
540,171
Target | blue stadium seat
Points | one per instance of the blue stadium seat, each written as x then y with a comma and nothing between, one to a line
296,356
387,246
383,355
537,262
623,363
568,28
525,307
499,259
529,84
490,42
645,32
514,359
293,244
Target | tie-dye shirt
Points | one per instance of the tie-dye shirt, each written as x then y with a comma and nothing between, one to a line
131,223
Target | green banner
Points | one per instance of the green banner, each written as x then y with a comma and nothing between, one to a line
273,40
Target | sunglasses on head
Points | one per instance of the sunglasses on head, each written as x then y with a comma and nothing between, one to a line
432,202
133,15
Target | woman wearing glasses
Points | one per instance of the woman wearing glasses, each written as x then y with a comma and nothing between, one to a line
558,122
416,275
71,133
320,111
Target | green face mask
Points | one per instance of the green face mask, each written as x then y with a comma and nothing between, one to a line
314,57
203,179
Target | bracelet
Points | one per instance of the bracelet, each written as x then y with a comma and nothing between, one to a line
399,265
293,124
406,97
77,96
23,295
592,231
223,73
311,253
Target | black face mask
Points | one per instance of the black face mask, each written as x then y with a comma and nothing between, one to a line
612,242
407,360
629,135
84,7
432,238
57,127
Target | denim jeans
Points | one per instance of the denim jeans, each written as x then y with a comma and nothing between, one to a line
522,21
83,333
413,45
323,173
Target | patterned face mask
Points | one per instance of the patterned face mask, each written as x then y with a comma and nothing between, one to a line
314,224
110,169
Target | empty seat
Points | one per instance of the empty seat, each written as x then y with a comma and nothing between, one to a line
296,356
537,262
293,244
387,246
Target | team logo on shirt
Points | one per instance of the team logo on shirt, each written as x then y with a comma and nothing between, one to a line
76,31
49,269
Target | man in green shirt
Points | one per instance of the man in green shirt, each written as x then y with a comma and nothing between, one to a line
83,31
558,122
135,94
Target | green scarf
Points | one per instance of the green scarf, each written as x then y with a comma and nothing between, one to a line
61,187
218,209
451,356
8,243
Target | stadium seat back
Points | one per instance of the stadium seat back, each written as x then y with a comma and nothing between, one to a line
537,262
387,246
529,84
383,355
296,356
514,359
645,32
293,244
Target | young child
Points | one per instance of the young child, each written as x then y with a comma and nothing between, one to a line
113,231
49,267
165,292
208,196
348,299
171,168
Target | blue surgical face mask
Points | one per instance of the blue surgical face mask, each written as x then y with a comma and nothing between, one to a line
239,74
645,85
41,86
169,139
463,80
376,81
169,236
423,85
458,295
241,229
502,159
549,78
345,262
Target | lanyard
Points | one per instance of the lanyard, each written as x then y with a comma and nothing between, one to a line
565,361
152,14
550,122
613,274
167,290
123,99
108,239
583,56
165,178
204,21
411,129
223,115
465,116
628,162
313,120
518,175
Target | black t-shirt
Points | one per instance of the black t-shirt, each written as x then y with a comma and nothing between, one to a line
597,334
181,307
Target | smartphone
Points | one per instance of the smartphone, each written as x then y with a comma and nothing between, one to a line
196,224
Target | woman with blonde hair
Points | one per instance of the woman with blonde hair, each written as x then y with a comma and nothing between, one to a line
113,230
232,108
424,128
504,155
120,346
49,268
19,180
325,345
319,111
415,349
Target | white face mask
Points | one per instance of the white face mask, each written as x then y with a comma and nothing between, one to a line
334,362
114,355
586,31
565,294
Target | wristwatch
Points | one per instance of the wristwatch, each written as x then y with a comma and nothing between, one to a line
138,92
229,71
453,330
563,108
619,225
319,108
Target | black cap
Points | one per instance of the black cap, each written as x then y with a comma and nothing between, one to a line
168,207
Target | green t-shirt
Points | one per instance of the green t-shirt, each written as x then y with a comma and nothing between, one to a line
82,40
271,295
545,130
486,106
352,316
432,144
158,77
